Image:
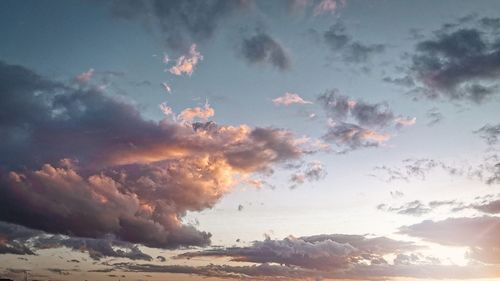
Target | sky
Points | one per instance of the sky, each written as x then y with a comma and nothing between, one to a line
250,140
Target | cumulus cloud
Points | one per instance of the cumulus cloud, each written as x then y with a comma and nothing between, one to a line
97,167
181,23
351,51
320,252
290,98
480,234
356,123
262,48
186,64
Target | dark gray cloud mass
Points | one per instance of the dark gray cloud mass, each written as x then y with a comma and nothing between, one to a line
182,23
262,48
460,62
19,240
94,165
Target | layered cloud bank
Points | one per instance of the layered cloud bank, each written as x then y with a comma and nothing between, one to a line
329,256
92,164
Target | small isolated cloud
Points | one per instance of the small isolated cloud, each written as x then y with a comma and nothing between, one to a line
337,39
290,98
490,133
356,123
166,87
84,77
262,48
328,6
201,113
186,64
313,171
416,207
405,121
434,116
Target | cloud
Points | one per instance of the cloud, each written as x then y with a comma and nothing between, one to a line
327,6
186,64
85,77
180,23
202,113
320,252
262,48
97,167
487,171
290,98
314,171
166,87
458,63
434,116
20,240
489,133
353,136
416,207
480,234
355,123
351,51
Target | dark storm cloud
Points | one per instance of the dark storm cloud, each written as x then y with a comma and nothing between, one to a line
320,252
19,240
182,23
460,62
356,123
94,165
351,51
480,234
262,48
